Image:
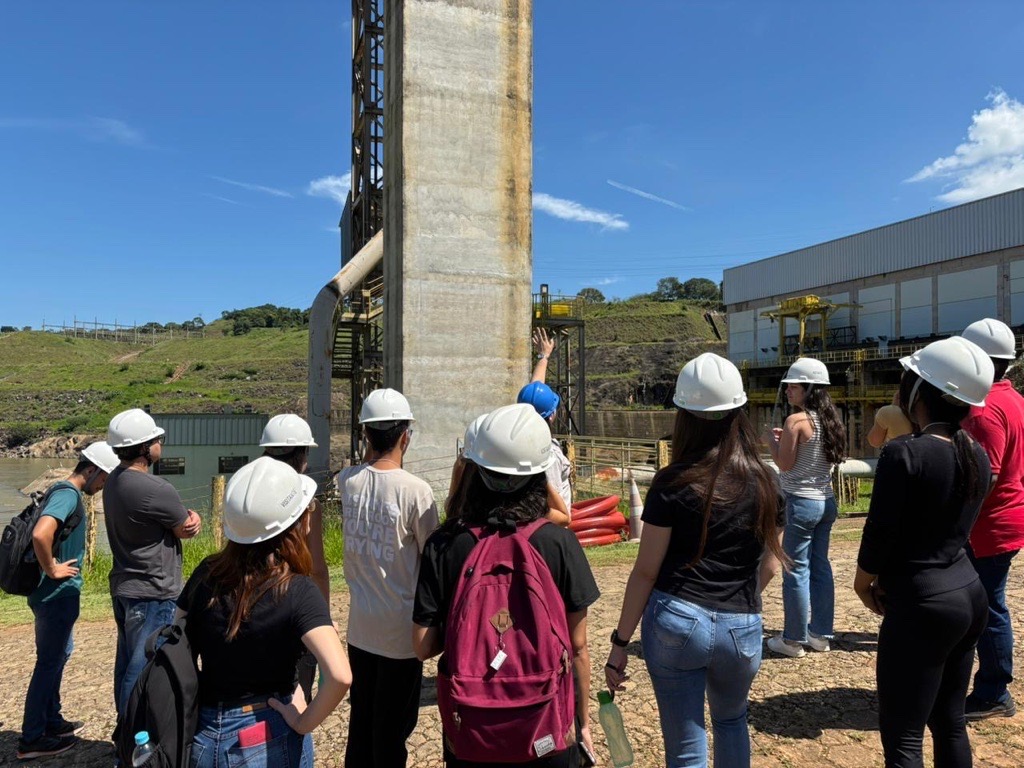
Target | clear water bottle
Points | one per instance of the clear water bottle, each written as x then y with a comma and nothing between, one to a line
143,749
614,731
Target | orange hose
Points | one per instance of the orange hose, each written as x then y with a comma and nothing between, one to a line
592,507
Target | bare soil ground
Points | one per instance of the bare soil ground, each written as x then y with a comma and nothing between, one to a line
818,710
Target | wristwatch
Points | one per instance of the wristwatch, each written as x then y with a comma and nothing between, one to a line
541,356
618,641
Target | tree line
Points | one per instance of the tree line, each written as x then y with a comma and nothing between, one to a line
265,316
668,289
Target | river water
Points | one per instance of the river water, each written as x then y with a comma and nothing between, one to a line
15,474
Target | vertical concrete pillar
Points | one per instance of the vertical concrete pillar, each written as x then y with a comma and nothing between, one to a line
458,214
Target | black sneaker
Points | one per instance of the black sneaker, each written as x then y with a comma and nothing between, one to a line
45,746
66,728
982,710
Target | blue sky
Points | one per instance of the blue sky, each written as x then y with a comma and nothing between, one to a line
164,160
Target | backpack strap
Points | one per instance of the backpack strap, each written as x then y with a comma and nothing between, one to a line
66,527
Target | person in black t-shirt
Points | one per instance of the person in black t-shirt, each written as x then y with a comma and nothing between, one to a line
251,610
516,439
912,568
710,544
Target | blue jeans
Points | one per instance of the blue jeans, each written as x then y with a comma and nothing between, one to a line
995,646
689,649
136,620
216,741
54,643
808,590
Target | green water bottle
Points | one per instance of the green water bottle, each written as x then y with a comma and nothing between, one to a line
614,731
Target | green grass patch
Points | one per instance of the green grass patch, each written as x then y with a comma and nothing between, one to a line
612,554
96,605
50,384
860,506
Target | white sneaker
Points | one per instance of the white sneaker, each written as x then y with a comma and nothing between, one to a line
778,645
819,644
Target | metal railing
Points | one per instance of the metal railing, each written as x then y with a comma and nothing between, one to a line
604,465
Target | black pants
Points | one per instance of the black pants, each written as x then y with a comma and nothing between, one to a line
925,655
385,704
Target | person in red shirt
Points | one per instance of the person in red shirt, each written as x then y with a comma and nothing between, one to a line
998,534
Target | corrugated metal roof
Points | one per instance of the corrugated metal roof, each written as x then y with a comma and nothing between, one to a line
212,428
990,224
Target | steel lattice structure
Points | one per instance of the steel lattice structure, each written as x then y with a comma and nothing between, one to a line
367,193
359,332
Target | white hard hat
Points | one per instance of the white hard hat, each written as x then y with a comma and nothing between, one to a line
709,383
263,499
512,440
806,370
956,367
383,405
471,432
102,455
132,427
994,337
287,431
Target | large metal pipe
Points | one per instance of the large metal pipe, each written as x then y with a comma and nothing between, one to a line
321,350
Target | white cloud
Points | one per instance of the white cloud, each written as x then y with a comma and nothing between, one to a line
222,199
570,210
254,187
107,128
609,280
991,160
92,128
647,195
333,187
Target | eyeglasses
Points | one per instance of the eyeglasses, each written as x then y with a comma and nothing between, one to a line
162,439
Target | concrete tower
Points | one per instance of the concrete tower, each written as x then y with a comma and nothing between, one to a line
458,213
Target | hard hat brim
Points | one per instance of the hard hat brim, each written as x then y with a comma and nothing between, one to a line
711,408
378,419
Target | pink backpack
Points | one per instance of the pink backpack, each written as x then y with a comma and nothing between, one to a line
505,684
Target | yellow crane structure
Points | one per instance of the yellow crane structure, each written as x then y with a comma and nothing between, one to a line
802,309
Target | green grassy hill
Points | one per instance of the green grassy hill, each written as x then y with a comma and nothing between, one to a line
636,348
54,384
51,384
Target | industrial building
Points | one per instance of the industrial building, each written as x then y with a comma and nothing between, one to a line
199,446
861,302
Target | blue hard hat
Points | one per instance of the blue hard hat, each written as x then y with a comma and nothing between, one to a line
540,396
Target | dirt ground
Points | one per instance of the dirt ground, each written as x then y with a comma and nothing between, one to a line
818,710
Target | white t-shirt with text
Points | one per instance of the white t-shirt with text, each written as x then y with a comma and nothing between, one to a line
387,517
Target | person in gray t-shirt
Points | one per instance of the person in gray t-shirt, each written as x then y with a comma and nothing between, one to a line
145,523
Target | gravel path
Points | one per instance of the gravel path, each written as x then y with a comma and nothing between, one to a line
818,710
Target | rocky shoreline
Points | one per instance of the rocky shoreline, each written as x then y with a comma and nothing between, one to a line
58,447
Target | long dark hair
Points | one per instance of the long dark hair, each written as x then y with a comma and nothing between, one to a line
946,411
724,460
481,505
458,494
833,433
242,574
296,457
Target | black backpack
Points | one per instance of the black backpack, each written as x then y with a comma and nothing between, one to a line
19,569
164,701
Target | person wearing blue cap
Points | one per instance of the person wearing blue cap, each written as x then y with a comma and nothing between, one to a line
545,401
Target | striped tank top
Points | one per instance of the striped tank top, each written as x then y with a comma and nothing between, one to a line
811,475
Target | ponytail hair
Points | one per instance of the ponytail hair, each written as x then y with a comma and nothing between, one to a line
833,433
945,410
